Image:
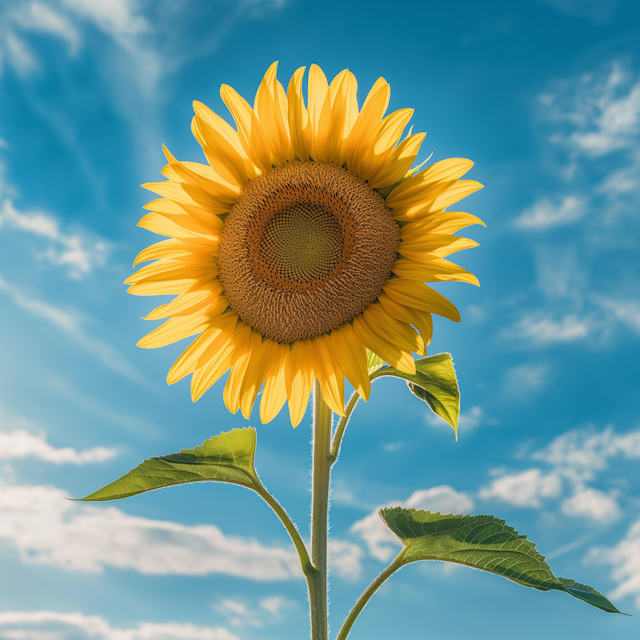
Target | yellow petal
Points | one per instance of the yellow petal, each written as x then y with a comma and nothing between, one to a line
395,331
270,114
432,271
217,189
299,377
274,394
398,161
339,112
429,246
239,371
394,355
212,340
222,361
176,269
220,125
181,327
421,320
174,248
443,222
177,211
252,136
420,296
389,132
222,156
412,189
263,354
318,87
299,125
185,304
329,374
166,224
363,131
351,356
185,193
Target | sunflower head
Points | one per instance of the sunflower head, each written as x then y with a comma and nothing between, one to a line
305,241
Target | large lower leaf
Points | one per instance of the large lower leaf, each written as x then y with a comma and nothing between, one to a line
434,382
481,542
224,458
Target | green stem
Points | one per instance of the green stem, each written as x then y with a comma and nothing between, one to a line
365,597
320,516
305,562
342,425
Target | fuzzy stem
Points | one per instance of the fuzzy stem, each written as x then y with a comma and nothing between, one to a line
318,595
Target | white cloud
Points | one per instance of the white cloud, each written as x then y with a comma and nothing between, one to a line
118,18
40,17
22,444
541,329
625,311
625,559
70,323
524,489
601,111
46,528
77,252
579,453
345,559
522,380
575,457
382,543
241,614
545,213
469,420
54,625
19,55
591,503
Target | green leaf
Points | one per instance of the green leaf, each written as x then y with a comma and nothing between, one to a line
224,458
373,362
435,383
481,542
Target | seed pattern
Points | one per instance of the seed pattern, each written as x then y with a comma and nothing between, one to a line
306,248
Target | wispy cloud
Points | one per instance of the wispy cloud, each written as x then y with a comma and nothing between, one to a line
469,420
70,323
77,252
523,380
382,543
54,625
625,559
574,458
46,528
545,213
22,444
524,489
240,613
37,16
539,328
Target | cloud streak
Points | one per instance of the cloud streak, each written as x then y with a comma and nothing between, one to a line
76,252
20,443
54,625
70,323
46,528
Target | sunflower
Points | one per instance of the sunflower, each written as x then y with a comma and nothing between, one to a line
305,241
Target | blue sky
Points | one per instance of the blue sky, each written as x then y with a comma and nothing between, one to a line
544,95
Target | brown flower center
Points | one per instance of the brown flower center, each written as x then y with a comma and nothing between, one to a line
305,248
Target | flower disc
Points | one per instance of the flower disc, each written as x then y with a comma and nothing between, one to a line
306,248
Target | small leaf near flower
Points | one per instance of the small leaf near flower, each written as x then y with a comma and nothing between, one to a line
434,382
481,542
